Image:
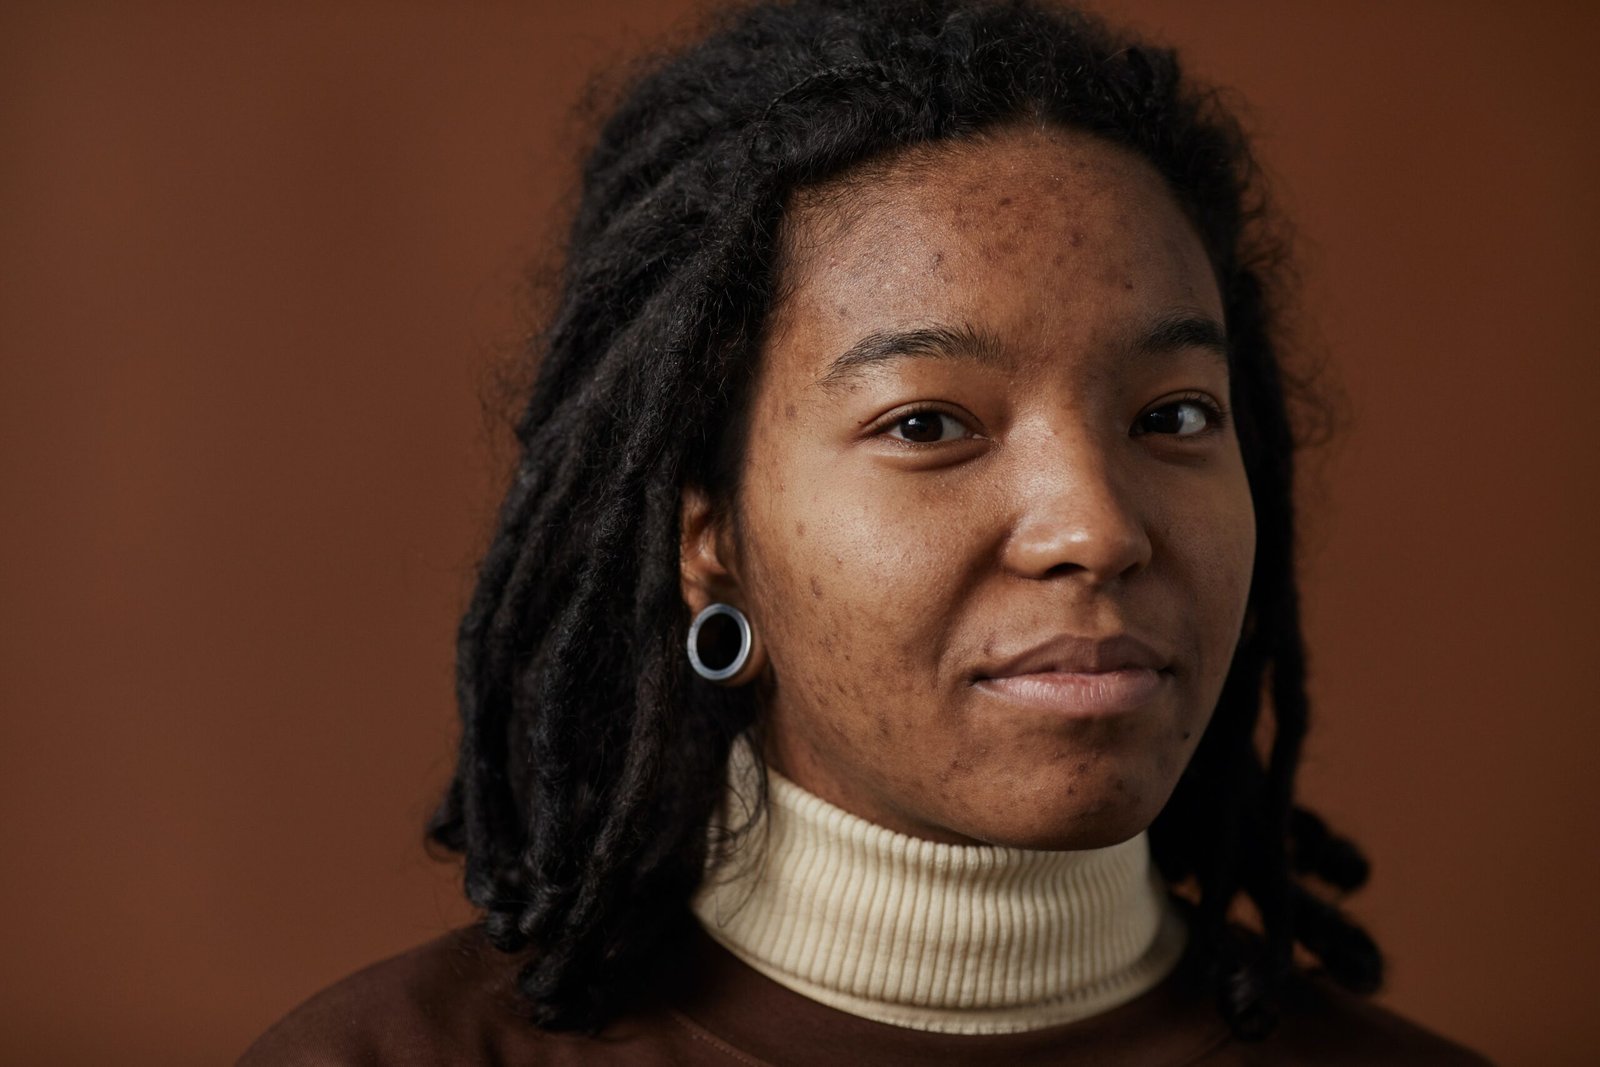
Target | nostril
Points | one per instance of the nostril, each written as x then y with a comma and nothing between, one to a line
1093,547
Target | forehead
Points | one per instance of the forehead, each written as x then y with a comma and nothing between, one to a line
1043,237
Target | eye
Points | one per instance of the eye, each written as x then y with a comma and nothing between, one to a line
927,427
1187,416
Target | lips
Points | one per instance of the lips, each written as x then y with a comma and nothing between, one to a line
1079,677
1072,654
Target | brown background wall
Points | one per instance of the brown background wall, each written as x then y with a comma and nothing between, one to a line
257,269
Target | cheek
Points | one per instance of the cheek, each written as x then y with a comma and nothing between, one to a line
1220,555
855,585
1240,551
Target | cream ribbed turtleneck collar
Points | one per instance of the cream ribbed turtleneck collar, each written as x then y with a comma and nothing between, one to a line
952,938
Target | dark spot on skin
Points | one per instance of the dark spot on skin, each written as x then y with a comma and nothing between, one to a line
1072,790
958,766
1002,202
1127,283
800,531
790,410
1083,765
1076,238
816,587
1188,734
1058,260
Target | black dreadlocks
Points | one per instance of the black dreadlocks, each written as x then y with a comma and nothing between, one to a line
590,758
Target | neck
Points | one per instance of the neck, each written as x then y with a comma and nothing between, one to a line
952,938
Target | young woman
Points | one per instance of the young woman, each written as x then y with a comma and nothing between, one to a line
871,660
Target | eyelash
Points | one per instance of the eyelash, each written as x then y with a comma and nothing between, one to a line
1216,414
1216,419
905,416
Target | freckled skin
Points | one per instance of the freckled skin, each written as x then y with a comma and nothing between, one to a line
1045,516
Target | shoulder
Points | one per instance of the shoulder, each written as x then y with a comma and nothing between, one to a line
1323,1023
423,1006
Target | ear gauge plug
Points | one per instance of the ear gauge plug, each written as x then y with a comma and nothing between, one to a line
720,644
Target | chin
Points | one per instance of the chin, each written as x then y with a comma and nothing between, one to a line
1085,818
1091,831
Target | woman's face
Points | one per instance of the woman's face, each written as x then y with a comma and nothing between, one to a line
993,527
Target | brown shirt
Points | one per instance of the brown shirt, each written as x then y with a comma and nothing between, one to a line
453,1001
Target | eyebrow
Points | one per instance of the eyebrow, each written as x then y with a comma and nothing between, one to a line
962,341
1168,334
1179,330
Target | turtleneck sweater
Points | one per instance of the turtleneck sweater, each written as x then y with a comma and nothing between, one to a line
867,947
962,939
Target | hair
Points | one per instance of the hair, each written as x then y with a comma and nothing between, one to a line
591,759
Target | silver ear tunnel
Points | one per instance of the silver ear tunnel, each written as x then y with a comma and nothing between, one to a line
709,636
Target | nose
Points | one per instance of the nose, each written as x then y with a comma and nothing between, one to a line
1077,519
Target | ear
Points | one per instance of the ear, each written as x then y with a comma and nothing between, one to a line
707,569
708,573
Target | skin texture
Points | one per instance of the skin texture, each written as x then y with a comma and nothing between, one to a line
1045,490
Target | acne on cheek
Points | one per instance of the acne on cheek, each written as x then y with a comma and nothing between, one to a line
824,639
999,251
